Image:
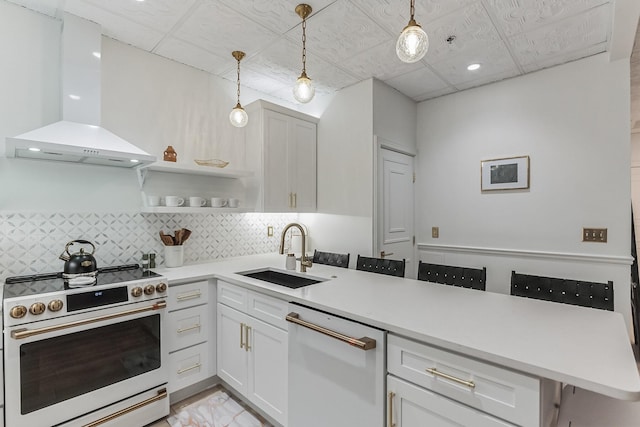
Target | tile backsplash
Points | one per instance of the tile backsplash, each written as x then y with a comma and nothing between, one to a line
32,242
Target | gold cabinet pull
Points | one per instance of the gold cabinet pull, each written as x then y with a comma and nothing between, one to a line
290,200
391,396
437,373
241,332
190,328
191,295
162,394
295,200
190,368
364,343
247,329
26,333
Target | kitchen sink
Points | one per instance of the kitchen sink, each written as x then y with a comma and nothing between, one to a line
281,278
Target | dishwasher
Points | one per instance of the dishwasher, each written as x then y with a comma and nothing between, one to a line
336,372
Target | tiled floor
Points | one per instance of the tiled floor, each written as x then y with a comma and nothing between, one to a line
176,407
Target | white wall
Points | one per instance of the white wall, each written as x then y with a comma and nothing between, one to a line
573,122
394,116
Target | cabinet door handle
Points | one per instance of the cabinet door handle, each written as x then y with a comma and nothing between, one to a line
437,373
190,328
247,329
391,396
241,332
384,254
295,200
191,295
190,368
364,343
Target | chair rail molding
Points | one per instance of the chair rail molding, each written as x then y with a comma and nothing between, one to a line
519,253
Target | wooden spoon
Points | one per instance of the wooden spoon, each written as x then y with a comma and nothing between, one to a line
185,234
166,240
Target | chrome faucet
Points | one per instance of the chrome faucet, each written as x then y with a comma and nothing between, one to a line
304,261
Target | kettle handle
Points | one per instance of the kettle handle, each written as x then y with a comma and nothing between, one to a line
83,242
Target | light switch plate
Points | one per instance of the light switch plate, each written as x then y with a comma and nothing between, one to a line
270,230
594,235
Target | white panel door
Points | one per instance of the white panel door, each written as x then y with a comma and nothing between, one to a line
302,150
276,161
395,207
267,386
412,406
232,358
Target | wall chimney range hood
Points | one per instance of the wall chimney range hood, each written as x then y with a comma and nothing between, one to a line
78,137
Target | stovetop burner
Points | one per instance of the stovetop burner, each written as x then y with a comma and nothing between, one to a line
35,284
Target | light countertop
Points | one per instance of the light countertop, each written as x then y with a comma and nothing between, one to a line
581,346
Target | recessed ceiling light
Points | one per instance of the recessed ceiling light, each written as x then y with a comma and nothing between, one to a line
34,149
97,54
74,97
135,160
473,67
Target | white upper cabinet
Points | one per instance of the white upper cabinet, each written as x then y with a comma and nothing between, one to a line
281,147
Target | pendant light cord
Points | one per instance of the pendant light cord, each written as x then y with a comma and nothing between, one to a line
412,9
238,82
304,46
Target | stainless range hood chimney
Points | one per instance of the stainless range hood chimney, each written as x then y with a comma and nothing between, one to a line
79,137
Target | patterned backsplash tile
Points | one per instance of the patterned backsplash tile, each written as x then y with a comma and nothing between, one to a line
32,242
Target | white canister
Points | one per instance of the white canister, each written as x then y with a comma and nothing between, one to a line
174,256
291,262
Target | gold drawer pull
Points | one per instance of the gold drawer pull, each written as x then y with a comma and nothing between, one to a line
391,396
192,295
364,343
190,368
437,373
162,394
190,328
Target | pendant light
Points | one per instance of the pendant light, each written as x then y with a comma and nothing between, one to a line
303,90
413,42
238,117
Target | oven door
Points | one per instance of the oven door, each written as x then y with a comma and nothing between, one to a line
60,369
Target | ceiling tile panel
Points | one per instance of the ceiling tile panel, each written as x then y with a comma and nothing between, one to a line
160,15
115,25
186,53
573,34
470,27
339,32
419,81
220,30
517,16
483,80
494,59
278,16
256,80
380,62
565,57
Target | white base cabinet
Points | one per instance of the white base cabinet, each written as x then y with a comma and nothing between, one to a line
191,334
252,354
412,406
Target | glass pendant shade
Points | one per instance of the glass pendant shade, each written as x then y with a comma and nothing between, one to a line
412,44
303,91
238,117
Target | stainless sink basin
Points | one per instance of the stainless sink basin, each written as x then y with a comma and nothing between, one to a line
281,278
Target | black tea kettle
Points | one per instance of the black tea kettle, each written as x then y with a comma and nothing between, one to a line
79,263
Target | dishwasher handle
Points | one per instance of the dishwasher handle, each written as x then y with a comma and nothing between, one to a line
364,343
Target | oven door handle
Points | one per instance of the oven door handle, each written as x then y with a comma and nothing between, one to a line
26,333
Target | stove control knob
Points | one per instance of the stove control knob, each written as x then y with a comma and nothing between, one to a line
136,292
149,289
18,311
55,305
37,308
161,287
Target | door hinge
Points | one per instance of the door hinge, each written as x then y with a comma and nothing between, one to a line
414,177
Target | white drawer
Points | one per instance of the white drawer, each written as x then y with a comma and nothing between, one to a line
189,295
501,392
232,296
409,405
188,327
188,366
267,309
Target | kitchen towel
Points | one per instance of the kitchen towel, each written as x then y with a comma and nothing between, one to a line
215,410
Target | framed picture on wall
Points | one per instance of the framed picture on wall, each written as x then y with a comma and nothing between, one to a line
505,174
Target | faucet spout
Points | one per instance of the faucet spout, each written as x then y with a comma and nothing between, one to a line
304,261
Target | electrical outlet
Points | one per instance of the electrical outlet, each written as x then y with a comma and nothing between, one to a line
594,235
435,232
270,230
